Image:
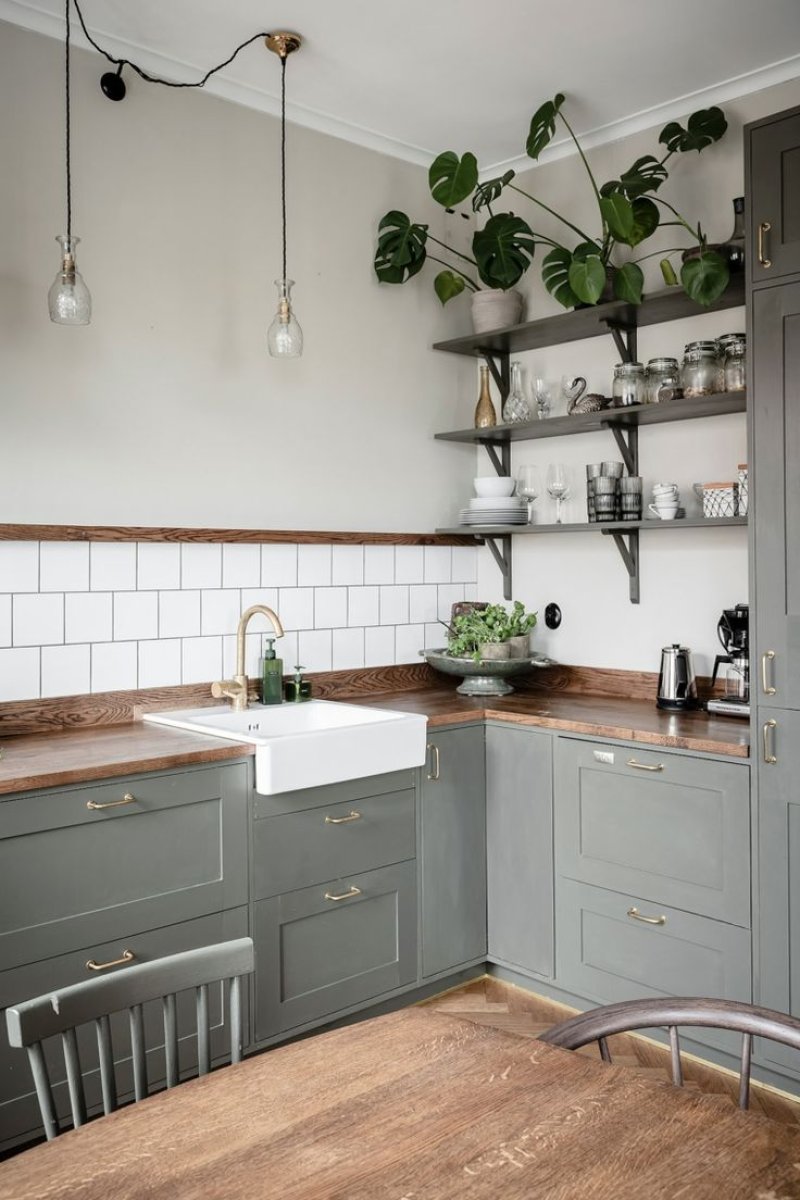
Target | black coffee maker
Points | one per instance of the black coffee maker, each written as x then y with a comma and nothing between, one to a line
733,630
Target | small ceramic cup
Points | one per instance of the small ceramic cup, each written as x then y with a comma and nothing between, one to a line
665,512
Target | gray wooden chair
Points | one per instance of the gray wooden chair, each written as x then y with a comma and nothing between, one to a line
61,1012
598,1024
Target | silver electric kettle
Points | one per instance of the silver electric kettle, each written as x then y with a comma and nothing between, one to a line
677,688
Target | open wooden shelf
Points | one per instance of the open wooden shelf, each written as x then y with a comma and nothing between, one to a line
593,527
593,321
687,409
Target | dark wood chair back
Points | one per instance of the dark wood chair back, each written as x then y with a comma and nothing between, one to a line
94,1000
598,1024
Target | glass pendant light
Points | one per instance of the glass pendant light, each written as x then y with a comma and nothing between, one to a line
68,299
285,337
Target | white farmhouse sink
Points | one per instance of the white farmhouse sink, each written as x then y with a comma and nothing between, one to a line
314,742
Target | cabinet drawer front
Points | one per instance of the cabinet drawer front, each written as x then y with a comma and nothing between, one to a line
606,955
678,836
19,1111
71,875
301,848
349,791
316,956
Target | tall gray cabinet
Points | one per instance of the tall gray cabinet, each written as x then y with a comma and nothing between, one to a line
772,149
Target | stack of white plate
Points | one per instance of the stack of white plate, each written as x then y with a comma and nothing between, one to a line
495,510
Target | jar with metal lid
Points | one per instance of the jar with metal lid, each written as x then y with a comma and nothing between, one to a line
661,373
701,370
733,351
629,385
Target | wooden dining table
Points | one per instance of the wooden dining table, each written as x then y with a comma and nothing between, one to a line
417,1106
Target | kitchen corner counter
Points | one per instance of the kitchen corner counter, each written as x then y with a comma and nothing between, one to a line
65,757
570,712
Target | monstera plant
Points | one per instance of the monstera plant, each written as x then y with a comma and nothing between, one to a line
584,268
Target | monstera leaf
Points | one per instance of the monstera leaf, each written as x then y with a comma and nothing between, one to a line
543,126
587,273
447,285
555,276
451,178
628,283
503,250
486,193
645,220
646,175
705,278
617,212
401,249
702,128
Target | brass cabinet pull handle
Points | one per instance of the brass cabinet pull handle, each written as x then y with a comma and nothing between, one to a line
766,733
766,686
351,816
635,915
434,774
126,957
763,229
644,766
126,799
348,895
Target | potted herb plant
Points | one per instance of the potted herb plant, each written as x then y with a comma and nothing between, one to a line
492,633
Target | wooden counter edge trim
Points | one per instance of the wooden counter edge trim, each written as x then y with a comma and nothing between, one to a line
114,766
141,533
120,708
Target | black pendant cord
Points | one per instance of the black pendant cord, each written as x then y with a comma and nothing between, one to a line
67,123
283,158
126,62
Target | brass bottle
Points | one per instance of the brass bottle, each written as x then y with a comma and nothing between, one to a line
485,415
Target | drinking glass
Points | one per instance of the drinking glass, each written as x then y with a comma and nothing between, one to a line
529,485
543,394
557,486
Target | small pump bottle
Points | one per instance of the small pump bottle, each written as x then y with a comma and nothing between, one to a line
272,677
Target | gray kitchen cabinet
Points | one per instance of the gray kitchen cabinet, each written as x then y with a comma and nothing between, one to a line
339,944
150,864
453,850
776,496
772,148
779,853
519,837
667,826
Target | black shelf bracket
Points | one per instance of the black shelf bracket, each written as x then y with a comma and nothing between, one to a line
500,547
627,439
502,461
630,556
624,339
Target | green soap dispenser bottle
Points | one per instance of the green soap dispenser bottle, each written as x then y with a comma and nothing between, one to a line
298,689
272,678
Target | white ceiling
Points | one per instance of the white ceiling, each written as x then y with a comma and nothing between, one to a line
421,76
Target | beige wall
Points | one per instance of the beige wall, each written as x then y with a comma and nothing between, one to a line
168,408
687,576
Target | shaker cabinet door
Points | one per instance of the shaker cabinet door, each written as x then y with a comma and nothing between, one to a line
774,248
776,494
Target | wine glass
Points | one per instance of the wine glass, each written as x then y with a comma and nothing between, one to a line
543,394
529,485
557,486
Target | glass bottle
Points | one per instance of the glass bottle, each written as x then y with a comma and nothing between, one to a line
733,352
661,373
701,372
629,385
485,415
69,300
516,407
285,337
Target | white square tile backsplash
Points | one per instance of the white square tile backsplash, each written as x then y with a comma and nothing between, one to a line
78,618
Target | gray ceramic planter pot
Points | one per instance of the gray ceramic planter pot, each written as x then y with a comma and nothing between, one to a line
493,309
492,651
520,645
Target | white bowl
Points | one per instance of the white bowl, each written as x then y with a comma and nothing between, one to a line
494,485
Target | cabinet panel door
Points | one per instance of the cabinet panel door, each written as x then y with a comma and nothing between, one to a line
779,843
776,496
666,826
453,866
519,834
316,956
775,197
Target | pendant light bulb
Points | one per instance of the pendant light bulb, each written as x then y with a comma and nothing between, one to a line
285,337
69,300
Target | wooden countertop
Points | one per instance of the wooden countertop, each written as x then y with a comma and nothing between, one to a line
56,759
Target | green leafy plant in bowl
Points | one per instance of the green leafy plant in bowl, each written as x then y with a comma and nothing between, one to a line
487,634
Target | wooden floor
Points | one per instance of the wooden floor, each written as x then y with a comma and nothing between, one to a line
492,1002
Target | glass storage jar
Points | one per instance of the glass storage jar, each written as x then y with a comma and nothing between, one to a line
732,350
701,370
629,385
661,373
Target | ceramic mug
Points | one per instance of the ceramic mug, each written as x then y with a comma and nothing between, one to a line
665,512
